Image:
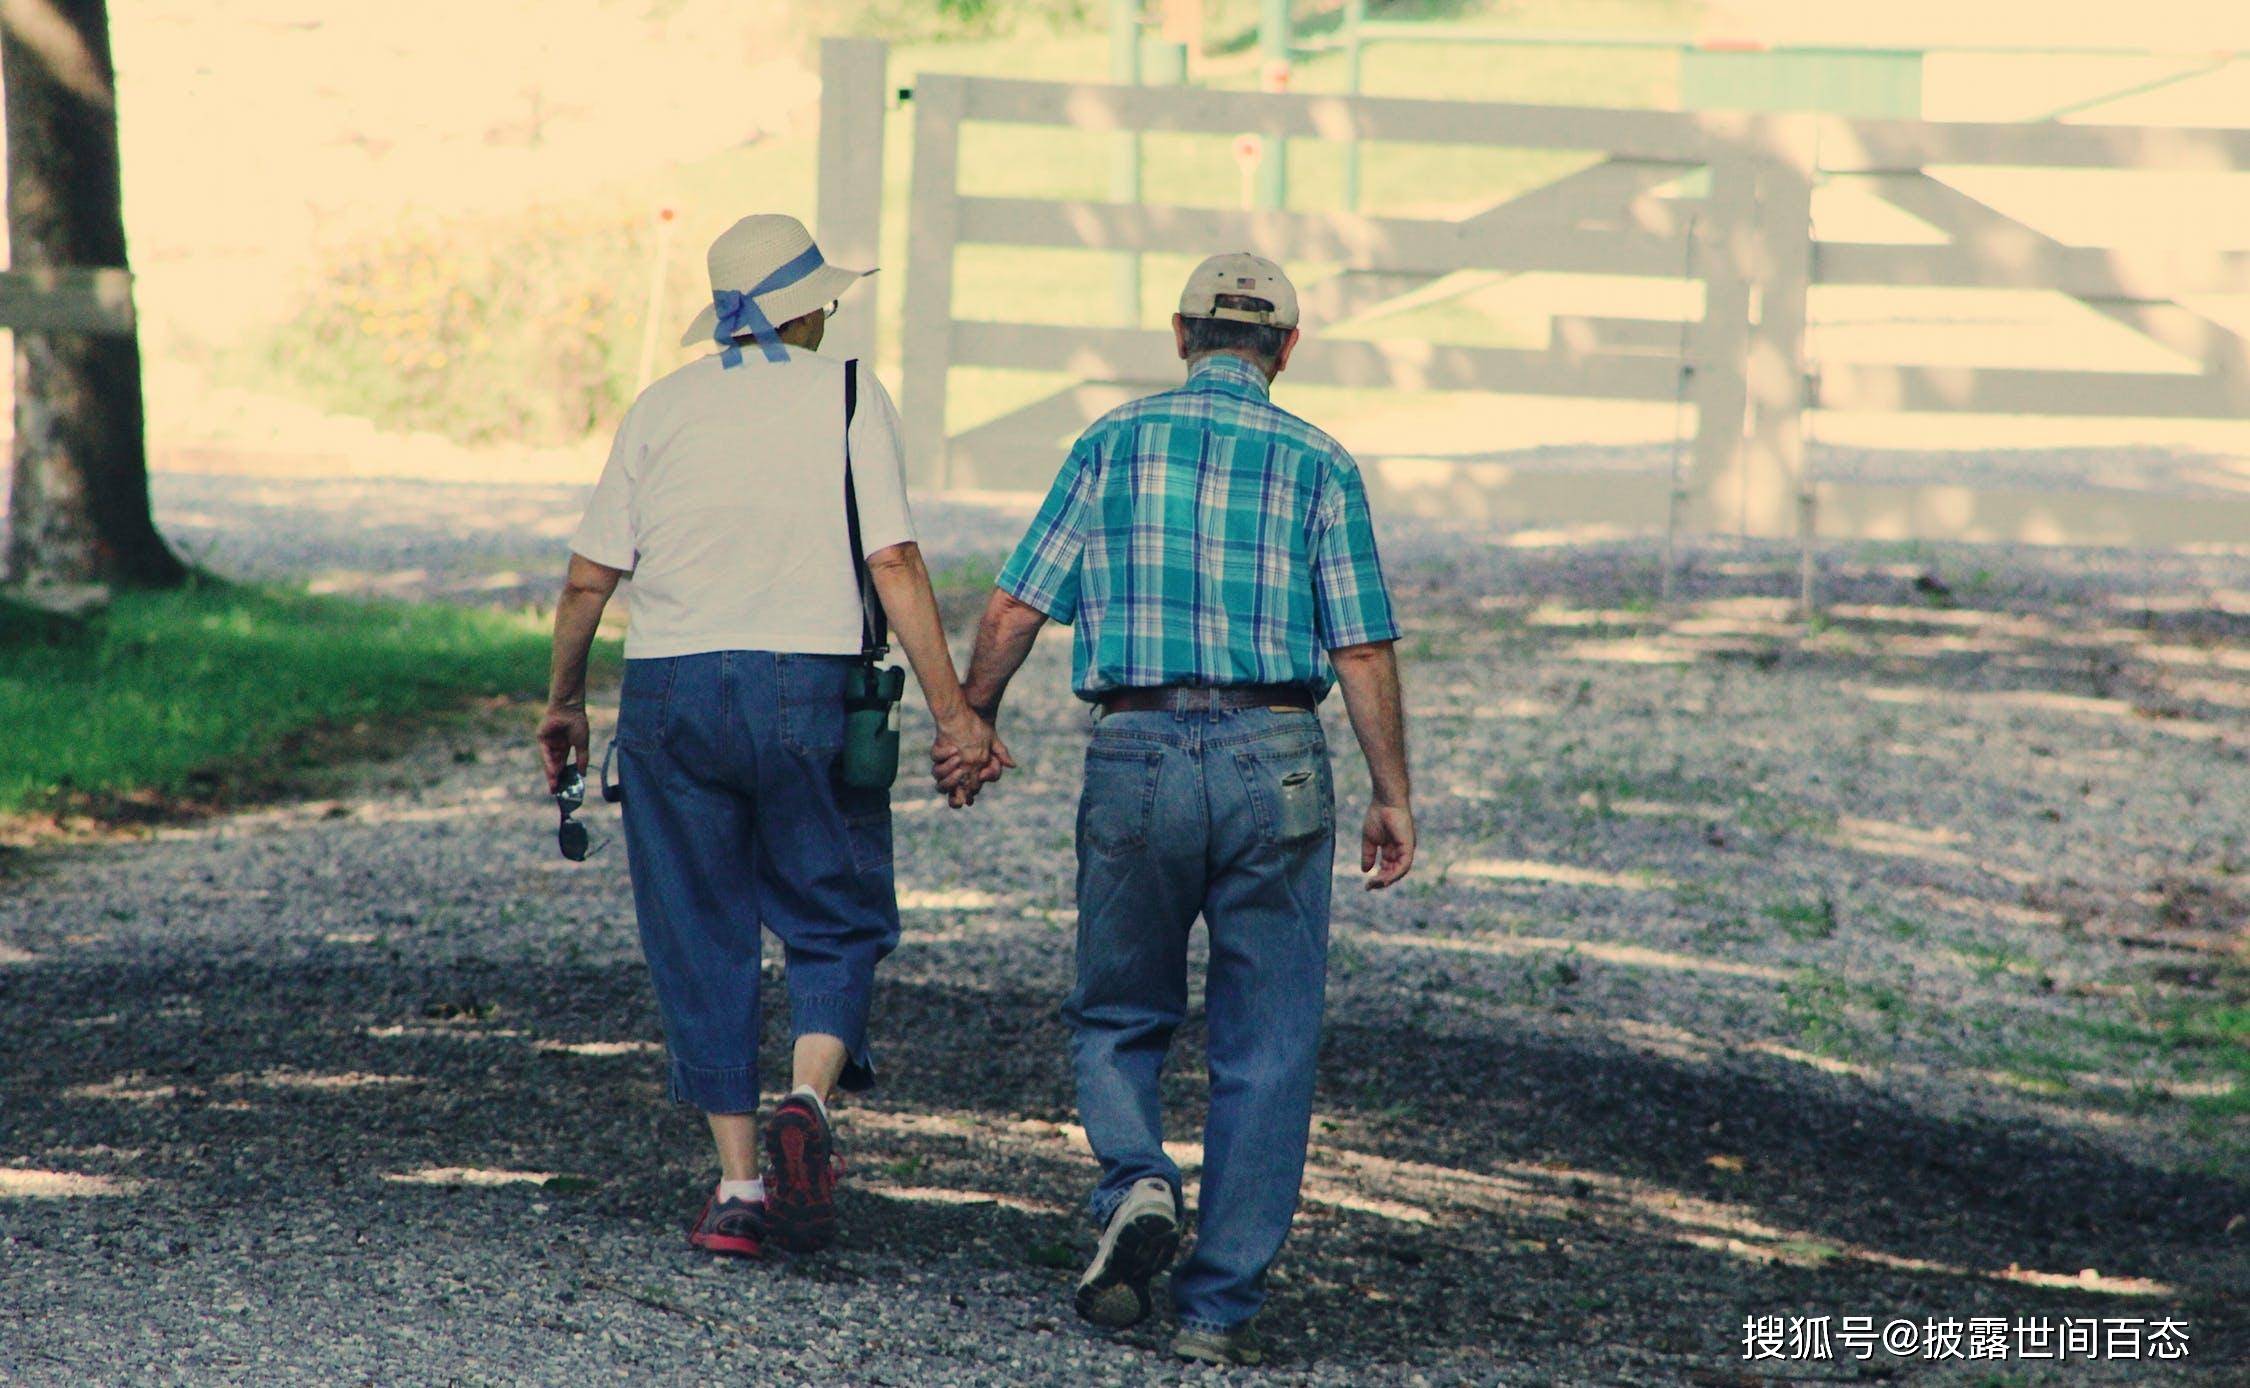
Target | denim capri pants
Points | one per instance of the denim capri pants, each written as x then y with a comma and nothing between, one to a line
735,818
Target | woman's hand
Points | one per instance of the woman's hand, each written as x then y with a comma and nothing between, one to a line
563,738
966,757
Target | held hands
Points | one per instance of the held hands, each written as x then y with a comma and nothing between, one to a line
1389,840
967,757
563,737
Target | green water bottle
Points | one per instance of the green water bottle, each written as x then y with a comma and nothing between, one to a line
871,696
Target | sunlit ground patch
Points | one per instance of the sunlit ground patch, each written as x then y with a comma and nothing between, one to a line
132,1087
452,1031
982,928
1631,956
950,899
940,1195
288,1078
1827,1065
468,1176
597,1049
1638,651
1634,808
1560,874
31,1183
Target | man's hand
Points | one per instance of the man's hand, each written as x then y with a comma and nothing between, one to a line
966,757
957,780
563,737
1368,675
1388,839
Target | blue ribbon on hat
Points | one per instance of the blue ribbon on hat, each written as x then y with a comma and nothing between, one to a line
739,312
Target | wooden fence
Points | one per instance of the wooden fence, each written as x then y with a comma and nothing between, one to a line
1747,241
2141,288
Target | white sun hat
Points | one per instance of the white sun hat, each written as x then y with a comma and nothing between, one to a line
766,268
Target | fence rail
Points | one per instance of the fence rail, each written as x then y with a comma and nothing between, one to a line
1747,241
70,300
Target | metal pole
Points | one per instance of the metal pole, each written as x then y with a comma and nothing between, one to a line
934,211
1274,52
1355,46
1125,167
1808,598
1673,494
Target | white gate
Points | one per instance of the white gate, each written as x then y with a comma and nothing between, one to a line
1747,241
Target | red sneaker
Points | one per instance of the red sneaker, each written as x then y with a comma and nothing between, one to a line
801,1170
733,1228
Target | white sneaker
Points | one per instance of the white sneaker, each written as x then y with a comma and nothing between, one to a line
1139,1242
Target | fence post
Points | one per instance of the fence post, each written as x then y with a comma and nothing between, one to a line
1355,75
853,97
1726,244
1276,51
1776,491
926,340
1125,157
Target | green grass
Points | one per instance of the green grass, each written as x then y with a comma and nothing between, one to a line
174,693
1803,920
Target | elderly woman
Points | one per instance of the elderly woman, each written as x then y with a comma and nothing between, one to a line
725,499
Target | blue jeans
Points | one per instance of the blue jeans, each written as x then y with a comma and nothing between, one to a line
1231,816
734,818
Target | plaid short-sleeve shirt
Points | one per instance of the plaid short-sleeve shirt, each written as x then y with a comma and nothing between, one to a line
1205,536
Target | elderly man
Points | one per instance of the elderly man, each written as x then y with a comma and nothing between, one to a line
739,489
1216,554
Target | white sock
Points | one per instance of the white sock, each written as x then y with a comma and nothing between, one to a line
813,1094
752,1190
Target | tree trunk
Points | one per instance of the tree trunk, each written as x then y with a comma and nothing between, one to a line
78,503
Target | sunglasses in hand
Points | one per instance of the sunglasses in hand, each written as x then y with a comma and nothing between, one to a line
571,836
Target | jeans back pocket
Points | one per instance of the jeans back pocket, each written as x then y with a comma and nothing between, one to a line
812,702
644,702
1118,803
1292,791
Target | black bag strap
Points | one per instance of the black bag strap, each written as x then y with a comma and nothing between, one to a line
875,630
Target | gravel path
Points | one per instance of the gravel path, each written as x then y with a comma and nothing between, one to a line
1750,972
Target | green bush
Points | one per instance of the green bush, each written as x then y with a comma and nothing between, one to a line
921,21
525,329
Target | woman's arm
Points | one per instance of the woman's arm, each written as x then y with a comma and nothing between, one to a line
903,582
563,735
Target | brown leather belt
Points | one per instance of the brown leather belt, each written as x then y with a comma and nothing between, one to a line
1172,698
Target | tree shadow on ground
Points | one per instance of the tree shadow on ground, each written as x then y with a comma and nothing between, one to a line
1497,1197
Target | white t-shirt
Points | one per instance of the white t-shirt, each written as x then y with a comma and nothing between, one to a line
724,497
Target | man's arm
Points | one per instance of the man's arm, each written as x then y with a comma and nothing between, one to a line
1004,641
902,580
563,734
1004,638
1368,675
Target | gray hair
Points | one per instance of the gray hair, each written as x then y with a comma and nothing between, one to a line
1261,340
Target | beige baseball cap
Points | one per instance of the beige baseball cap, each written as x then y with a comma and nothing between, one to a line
1239,272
